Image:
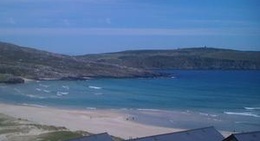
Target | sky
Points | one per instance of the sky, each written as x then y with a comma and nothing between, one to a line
77,27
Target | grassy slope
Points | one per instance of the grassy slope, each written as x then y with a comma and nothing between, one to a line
35,64
14,129
190,58
32,63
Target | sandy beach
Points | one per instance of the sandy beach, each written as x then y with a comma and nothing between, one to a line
94,121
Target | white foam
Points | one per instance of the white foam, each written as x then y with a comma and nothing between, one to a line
204,114
212,115
35,96
62,93
154,110
66,87
34,105
171,121
91,108
59,94
95,87
242,114
208,115
252,108
46,91
38,89
17,90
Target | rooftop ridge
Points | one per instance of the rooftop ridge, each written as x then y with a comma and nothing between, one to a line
177,132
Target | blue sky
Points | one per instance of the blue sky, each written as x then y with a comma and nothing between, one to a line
96,26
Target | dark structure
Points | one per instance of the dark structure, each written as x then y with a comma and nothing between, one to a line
202,134
96,137
248,136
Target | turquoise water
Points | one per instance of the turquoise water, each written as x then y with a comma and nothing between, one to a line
229,100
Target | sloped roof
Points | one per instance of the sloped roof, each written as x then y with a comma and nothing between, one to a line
201,134
96,137
248,136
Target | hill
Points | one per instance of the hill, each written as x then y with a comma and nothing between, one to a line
188,58
17,62
36,64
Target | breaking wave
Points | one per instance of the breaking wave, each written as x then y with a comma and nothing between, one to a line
35,96
91,108
38,89
65,87
242,114
62,93
46,91
153,110
34,105
252,108
95,87
209,115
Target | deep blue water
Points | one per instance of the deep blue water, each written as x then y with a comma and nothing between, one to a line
235,94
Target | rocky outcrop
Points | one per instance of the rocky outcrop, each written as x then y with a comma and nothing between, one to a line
10,79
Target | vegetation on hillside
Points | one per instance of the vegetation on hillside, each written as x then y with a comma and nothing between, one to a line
17,62
187,58
16,129
35,64
13,129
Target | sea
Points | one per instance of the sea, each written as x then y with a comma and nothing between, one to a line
227,100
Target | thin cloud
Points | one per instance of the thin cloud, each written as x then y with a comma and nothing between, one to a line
129,31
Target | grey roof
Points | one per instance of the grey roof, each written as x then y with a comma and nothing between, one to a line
201,134
96,137
248,136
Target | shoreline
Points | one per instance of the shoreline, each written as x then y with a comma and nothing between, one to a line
114,122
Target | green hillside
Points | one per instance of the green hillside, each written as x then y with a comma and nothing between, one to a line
187,58
36,64
17,62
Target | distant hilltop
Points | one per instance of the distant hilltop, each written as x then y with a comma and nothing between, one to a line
202,58
17,63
